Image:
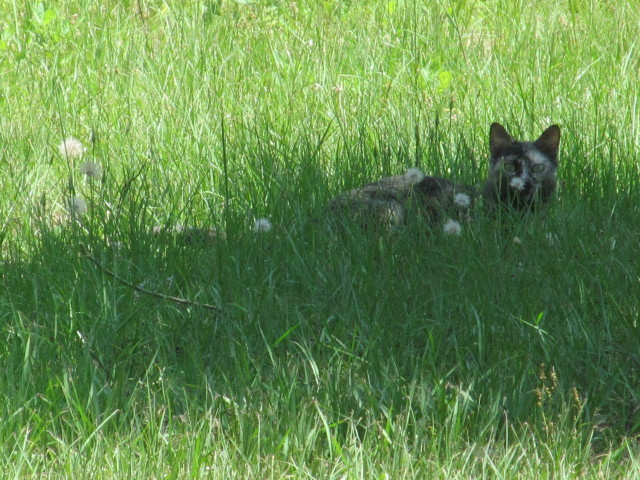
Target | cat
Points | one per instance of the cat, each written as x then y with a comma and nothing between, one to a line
391,201
522,175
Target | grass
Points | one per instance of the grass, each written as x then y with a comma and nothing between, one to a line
405,354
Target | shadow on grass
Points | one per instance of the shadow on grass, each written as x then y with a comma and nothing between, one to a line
471,335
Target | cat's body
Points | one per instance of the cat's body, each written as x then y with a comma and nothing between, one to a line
392,200
522,175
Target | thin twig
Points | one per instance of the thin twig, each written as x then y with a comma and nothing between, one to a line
151,293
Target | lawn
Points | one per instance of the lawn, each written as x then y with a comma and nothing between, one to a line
175,304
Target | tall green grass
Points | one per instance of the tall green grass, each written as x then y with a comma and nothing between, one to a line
403,354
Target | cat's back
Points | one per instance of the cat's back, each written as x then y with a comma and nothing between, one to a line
392,199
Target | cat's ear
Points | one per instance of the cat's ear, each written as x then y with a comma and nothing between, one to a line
499,139
549,141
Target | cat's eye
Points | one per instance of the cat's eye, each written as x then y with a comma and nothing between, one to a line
509,167
538,168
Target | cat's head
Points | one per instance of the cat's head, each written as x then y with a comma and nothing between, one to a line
521,173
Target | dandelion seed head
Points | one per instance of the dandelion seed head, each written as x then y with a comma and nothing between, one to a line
517,183
452,227
71,148
414,175
517,241
262,225
77,206
91,170
462,200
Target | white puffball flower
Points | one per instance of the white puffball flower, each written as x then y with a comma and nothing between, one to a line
413,175
517,183
262,225
77,206
90,170
451,227
71,148
462,200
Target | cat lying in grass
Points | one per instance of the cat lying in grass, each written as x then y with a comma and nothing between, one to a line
522,175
